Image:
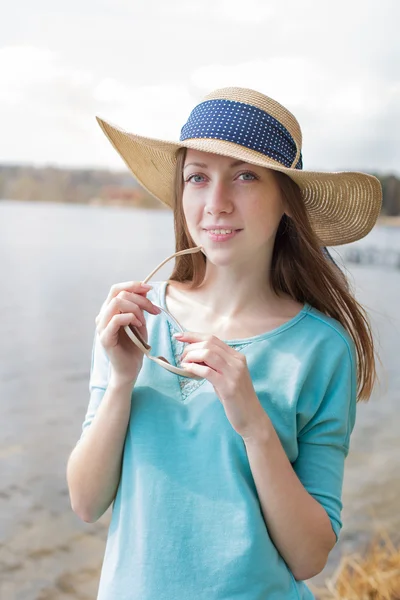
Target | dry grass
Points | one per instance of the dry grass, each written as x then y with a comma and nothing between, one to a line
373,576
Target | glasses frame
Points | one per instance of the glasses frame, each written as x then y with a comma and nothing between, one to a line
137,339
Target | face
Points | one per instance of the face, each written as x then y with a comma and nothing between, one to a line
229,194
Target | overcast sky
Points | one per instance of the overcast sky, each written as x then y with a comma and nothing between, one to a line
144,65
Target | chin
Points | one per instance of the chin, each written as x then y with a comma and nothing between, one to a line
218,257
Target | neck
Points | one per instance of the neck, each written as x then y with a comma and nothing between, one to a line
234,290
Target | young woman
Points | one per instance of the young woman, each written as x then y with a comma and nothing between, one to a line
225,467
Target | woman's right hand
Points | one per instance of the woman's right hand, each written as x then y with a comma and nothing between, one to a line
123,306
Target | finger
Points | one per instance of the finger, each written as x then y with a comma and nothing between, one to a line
117,306
193,338
213,358
197,346
109,336
130,286
203,371
141,301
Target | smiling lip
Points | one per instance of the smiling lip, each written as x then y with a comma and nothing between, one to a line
221,227
223,237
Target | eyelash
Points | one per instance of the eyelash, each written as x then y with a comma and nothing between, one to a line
199,175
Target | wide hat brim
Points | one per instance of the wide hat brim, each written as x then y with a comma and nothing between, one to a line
342,206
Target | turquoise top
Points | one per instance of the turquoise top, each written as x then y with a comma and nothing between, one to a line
186,521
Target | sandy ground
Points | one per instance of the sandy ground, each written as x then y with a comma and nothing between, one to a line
47,559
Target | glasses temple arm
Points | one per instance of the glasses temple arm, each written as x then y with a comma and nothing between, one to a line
187,251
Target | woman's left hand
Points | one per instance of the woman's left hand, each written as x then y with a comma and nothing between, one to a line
226,369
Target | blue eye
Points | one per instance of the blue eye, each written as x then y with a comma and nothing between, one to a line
248,173
200,178
194,175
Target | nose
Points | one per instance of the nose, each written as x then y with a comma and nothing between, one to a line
218,199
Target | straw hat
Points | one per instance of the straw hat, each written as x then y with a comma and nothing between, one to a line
246,125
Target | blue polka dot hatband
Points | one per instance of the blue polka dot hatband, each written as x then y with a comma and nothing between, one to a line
247,125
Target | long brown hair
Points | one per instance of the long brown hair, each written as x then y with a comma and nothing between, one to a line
299,268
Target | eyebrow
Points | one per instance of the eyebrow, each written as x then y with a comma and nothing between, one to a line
236,163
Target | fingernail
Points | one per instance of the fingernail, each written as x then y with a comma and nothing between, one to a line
175,335
147,286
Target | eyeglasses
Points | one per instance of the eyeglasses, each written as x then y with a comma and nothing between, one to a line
137,339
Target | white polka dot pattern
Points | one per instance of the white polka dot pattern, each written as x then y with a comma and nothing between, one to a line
243,124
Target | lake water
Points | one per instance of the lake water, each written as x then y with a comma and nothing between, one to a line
57,265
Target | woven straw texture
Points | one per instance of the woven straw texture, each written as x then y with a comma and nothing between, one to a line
342,206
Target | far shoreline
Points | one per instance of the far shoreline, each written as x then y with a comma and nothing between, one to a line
154,204
389,221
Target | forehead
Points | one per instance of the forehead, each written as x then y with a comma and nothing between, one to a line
209,159
198,158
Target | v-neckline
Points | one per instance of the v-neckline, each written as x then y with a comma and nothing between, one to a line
187,385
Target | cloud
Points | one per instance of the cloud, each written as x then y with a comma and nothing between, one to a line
34,79
354,124
45,105
289,79
145,65
153,110
224,10
47,110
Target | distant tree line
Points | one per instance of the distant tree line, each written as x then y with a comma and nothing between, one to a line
73,186
97,186
391,195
